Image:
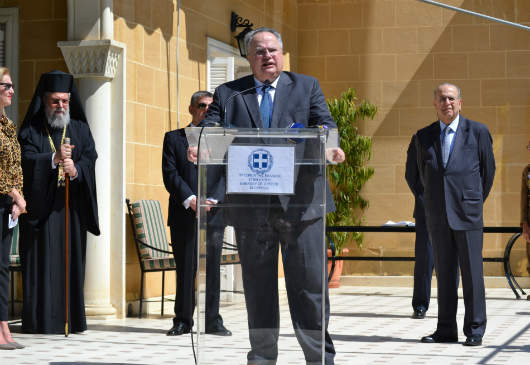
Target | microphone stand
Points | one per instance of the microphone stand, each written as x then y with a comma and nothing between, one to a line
231,97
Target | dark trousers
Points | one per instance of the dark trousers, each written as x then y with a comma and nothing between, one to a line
301,246
424,263
451,249
5,248
184,238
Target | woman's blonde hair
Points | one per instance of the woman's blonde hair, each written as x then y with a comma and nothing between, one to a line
3,71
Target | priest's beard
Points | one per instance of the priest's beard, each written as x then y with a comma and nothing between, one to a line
57,120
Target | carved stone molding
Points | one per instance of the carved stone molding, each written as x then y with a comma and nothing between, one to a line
96,58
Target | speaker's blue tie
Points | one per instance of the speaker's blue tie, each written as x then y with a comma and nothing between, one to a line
265,107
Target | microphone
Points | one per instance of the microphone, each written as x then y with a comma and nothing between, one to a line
265,83
289,129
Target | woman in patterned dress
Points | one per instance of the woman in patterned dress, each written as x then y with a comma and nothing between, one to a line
12,203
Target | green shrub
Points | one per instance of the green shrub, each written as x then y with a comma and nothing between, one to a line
348,178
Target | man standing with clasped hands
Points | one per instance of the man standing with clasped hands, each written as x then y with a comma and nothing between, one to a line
456,164
181,179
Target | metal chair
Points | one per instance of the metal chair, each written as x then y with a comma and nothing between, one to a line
152,246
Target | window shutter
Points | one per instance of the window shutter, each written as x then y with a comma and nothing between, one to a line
221,71
3,44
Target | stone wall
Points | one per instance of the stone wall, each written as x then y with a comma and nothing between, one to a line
41,24
394,53
156,101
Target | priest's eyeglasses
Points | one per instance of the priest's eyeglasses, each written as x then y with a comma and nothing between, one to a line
58,101
7,85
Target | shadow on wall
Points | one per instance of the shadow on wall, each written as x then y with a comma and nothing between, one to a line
398,54
485,59
153,17
198,20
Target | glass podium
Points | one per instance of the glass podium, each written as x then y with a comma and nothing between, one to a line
262,195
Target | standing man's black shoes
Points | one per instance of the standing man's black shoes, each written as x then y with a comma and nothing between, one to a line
475,340
419,313
436,338
178,329
218,330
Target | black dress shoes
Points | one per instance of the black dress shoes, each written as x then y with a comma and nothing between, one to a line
218,330
475,340
436,338
419,313
178,329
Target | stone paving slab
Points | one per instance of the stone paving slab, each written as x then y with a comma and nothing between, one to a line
369,325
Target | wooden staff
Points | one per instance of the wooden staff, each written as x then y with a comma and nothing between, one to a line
66,271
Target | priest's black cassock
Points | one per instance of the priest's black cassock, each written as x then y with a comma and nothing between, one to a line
42,232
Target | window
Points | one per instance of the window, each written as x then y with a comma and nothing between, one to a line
9,53
224,64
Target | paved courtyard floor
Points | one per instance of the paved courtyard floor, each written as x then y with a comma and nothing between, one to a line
369,325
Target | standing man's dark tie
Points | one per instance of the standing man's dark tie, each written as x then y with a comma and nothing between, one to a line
266,107
446,148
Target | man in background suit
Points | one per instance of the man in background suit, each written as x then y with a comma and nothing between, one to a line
424,261
457,167
180,180
276,99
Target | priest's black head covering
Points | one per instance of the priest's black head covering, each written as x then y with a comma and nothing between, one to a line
56,81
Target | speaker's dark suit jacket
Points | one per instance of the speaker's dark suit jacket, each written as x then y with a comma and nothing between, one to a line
295,221
180,180
424,261
454,198
298,99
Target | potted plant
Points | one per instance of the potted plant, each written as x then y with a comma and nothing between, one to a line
348,178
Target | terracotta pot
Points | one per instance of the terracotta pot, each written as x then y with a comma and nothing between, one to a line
337,272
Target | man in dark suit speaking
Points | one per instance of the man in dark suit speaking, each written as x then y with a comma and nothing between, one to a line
276,99
456,164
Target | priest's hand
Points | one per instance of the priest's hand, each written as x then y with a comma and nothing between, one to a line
64,152
69,167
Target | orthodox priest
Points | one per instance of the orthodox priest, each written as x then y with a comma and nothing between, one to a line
54,115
